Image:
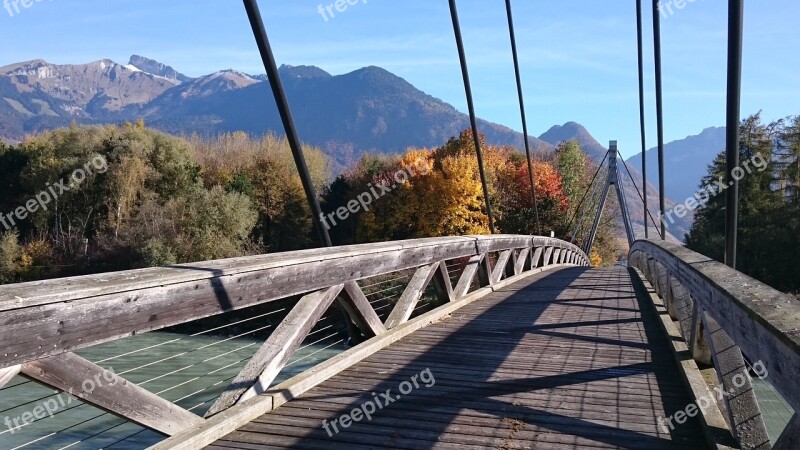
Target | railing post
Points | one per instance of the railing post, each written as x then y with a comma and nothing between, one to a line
547,254
536,257
523,261
444,288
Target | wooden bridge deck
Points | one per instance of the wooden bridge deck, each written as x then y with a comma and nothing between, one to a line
564,359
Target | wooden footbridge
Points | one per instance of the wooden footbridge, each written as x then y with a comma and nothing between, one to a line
487,342
505,342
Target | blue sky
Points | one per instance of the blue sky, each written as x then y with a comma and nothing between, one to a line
578,56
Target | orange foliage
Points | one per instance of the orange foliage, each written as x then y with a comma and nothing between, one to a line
548,185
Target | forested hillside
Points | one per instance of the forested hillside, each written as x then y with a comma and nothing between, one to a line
90,199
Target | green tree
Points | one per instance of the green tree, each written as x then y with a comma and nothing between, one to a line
572,166
11,257
209,224
767,231
787,154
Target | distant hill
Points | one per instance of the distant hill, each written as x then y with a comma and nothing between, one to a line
368,110
597,152
685,161
576,131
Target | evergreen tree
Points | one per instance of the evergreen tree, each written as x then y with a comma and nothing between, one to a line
767,242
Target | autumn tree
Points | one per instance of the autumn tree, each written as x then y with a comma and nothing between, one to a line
519,217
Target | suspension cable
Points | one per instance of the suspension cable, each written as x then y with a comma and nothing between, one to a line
522,112
569,224
639,33
659,110
638,191
596,187
471,106
596,202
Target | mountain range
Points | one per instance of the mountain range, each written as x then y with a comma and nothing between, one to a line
367,110
685,161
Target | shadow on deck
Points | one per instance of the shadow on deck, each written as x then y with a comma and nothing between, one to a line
566,359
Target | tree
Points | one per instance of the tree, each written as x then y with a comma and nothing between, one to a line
127,196
787,154
768,227
11,257
264,170
519,217
572,166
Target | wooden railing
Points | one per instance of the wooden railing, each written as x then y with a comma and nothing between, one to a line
43,323
723,314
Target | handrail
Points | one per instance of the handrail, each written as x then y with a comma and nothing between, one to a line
42,323
105,307
721,310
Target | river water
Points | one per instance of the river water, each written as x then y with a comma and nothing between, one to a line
190,371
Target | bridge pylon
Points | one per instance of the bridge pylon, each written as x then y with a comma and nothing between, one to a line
613,180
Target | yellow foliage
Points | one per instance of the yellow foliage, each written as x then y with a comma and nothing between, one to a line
451,199
595,259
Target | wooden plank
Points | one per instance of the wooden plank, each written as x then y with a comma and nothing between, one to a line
82,323
8,374
548,252
359,309
14,296
716,430
666,291
501,266
470,408
500,242
523,261
701,350
228,421
683,307
444,288
104,389
411,295
467,275
536,258
273,355
512,265
485,272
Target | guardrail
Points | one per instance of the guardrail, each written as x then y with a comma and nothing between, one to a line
722,315
43,323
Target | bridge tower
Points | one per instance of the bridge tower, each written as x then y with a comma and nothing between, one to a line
613,180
